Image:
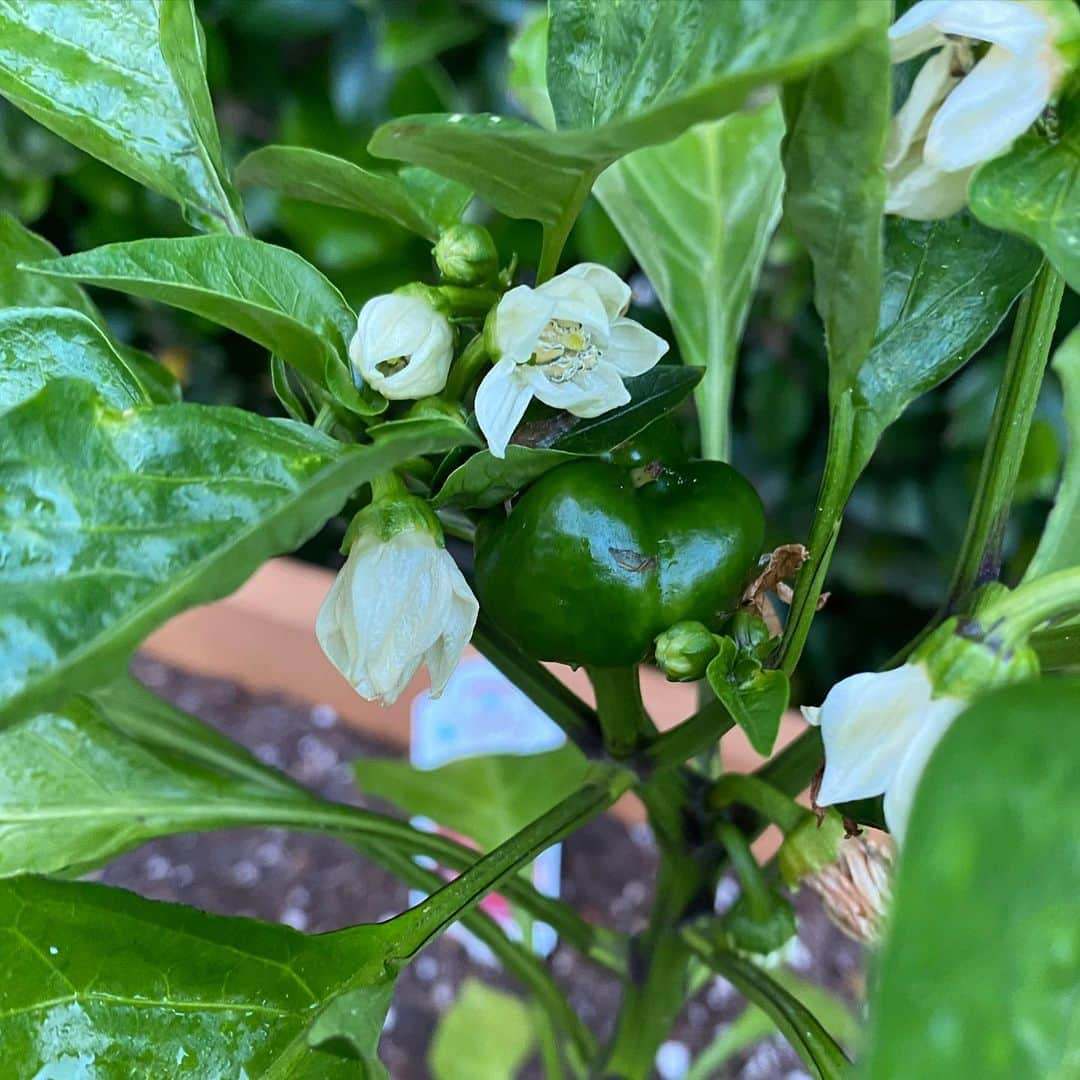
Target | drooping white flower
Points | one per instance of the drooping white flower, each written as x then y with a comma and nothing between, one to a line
402,346
399,599
567,342
964,109
879,730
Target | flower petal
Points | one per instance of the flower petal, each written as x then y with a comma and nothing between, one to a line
633,350
501,400
575,300
867,722
928,91
900,793
917,30
520,318
923,193
589,393
445,654
995,103
614,293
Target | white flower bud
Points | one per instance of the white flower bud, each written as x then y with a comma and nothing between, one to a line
400,599
964,109
402,346
567,342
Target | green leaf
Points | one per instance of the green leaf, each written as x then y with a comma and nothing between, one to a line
485,480
652,395
266,293
486,1034
837,123
103,982
38,345
698,213
487,798
1059,546
977,976
1034,190
20,288
398,197
159,384
623,76
124,80
756,699
114,521
948,285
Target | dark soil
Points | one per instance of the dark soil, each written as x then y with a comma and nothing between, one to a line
315,883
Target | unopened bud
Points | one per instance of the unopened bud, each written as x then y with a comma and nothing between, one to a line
466,255
684,650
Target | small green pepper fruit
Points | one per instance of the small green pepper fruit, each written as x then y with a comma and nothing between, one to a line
589,566
465,255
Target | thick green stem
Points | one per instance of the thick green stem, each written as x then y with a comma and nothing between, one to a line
1058,649
836,482
624,723
746,868
692,737
980,555
556,234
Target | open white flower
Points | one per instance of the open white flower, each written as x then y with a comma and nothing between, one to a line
567,342
399,599
402,346
879,730
963,110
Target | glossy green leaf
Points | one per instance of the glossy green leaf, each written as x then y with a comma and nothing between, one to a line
484,480
317,177
622,77
266,293
159,384
38,345
102,982
114,521
756,699
947,287
837,123
124,80
698,214
978,974
652,395
20,288
1059,546
636,74
487,798
486,1034
1034,190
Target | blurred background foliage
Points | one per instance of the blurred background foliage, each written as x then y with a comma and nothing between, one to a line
325,74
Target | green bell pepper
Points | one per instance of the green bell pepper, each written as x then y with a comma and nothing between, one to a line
596,558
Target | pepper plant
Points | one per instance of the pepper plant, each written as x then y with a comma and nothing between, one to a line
509,447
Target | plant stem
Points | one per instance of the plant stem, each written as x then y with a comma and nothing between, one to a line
755,793
624,723
465,370
432,916
1058,649
687,740
836,483
556,233
561,704
980,555
1014,616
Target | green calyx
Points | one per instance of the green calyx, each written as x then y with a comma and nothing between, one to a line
466,255
964,659
589,567
428,293
683,651
810,846
392,511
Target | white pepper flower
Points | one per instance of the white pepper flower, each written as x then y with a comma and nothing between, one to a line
402,346
879,730
967,106
400,599
567,342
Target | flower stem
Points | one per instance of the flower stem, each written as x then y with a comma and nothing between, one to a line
1016,615
755,793
980,555
624,723
465,370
